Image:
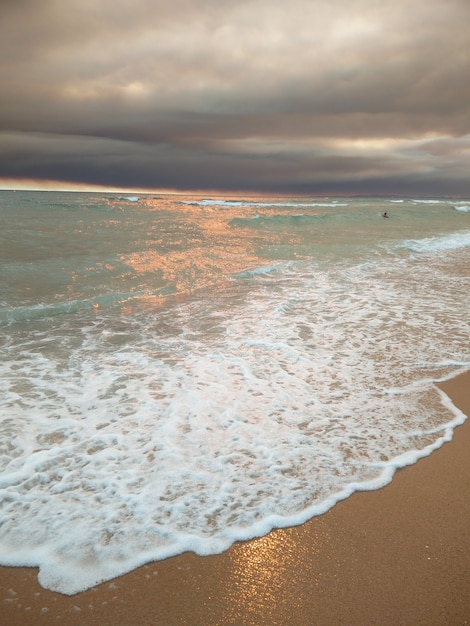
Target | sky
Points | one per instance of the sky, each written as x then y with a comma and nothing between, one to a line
272,96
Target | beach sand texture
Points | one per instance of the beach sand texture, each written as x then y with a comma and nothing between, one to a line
399,555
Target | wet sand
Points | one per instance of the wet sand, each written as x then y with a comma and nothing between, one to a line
396,556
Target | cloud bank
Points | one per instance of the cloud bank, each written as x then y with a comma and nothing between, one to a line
302,97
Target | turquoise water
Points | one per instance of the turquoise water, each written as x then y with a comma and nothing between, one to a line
181,372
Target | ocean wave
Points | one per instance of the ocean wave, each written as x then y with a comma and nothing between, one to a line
142,437
427,201
10,315
453,241
240,203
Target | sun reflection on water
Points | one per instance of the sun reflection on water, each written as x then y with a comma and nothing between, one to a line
201,251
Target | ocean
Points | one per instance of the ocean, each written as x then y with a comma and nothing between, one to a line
181,372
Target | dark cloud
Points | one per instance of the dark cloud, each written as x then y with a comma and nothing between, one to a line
238,95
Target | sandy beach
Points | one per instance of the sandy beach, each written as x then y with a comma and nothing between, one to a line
399,555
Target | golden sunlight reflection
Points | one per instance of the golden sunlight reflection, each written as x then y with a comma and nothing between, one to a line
216,249
261,576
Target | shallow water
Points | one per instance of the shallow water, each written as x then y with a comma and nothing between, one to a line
178,373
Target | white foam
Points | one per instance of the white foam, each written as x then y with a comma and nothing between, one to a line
464,208
132,438
242,203
453,241
427,201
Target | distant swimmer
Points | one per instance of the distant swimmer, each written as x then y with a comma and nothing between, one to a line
385,214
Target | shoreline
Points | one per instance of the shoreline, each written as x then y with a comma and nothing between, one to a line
397,555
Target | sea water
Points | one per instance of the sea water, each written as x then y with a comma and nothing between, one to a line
179,373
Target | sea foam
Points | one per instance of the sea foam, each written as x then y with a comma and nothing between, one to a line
251,203
218,419
136,426
453,241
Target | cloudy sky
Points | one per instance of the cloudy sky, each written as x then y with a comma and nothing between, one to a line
279,96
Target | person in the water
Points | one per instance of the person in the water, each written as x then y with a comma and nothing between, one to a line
385,214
